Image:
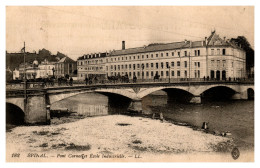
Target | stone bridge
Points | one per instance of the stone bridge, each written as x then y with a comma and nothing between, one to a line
36,105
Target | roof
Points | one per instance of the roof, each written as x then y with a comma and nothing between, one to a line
66,59
152,48
213,40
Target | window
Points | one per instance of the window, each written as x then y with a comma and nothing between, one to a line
115,67
195,64
224,62
198,64
151,55
138,57
130,74
147,65
118,58
178,73
185,74
212,62
156,55
161,64
195,74
162,73
212,51
147,56
172,73
134,66
107,68
218,51
138,65
130,57
195,52
218,63
142,66
125,66
122,58
172,53
179,54
185,53
178,63
224,52
198,73
157,65
147,73
167,73
151,65
125,58
151,73
118,67
161,54
167,64
232,64
142,56
172,64
122,66
185,64
167,54
134,57
138,73
130,66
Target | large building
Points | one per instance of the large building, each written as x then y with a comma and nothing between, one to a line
214,58
92,65
65,66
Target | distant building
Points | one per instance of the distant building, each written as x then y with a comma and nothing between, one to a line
46,69
16,74
65,66
214,57
92,65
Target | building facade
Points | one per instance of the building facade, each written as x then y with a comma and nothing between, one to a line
92,65
46,69
213,58
65,66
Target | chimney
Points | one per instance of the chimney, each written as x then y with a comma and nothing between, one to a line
123,45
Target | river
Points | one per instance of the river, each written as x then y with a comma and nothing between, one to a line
235,116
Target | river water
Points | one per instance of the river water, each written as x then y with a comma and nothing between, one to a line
235,116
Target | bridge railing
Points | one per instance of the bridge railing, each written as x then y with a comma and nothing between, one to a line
21,85
39,85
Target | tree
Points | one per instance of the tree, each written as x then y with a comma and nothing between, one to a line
250,53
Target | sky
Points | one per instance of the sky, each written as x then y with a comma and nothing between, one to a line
80,30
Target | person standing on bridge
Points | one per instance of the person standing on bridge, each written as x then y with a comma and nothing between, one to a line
71,81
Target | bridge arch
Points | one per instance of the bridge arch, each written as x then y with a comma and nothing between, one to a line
202,89
146,91
14,114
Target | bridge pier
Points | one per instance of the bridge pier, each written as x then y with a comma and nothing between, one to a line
240,95
196,99
37,112
135,106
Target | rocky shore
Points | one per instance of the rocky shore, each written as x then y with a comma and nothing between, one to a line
118,138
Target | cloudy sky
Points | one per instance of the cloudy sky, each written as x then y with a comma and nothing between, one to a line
75,31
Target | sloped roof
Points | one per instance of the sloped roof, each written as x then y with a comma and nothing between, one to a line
65,59
152,48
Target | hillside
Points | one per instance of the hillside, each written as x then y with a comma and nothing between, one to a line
13,60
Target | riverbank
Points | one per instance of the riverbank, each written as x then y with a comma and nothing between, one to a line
120,138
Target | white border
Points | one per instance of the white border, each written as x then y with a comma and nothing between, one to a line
4,3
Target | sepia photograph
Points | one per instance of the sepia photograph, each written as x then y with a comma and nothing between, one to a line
129,84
